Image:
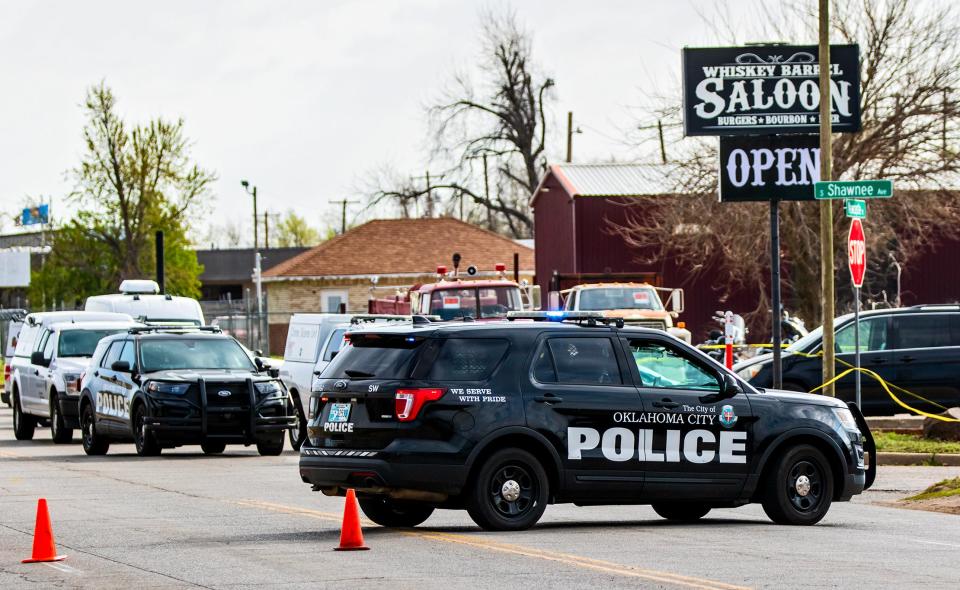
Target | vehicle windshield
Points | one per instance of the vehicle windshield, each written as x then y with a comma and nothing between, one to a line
81,342
168,354
475,302
619,298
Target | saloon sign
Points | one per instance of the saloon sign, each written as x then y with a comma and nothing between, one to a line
762,168
767,89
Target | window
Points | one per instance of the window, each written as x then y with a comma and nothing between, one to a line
48,347
619,298
41,342
873,336
664,368
330,300
468,359
129,353
81,343
543,370
923,331
112,354
488,302
335,344
375,356
588,361
26,340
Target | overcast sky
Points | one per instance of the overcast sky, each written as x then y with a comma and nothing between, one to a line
305,99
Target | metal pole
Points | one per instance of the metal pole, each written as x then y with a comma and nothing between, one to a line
569,136
259,285
256,241
826,206
161,278
856,343
266,230
776,314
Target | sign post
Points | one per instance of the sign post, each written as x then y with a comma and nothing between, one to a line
857,259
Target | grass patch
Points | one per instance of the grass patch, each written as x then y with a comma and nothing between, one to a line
892,442
942,489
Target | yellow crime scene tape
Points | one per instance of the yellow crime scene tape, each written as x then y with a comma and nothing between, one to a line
886,385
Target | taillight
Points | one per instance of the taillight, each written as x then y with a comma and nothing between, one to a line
409,401
6,372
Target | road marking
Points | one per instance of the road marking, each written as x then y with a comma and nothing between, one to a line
564,558
63,567
937,543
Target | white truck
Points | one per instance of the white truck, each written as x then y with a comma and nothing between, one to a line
142,300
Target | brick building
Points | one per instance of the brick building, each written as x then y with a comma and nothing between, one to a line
378,258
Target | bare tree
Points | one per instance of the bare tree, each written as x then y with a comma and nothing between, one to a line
909,105
493,132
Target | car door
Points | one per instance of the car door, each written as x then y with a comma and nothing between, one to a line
698,444
44,375
31,380
124,385
109,401
926,353
581,398
875,355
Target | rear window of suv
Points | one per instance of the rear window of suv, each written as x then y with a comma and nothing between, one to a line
468,359
375,356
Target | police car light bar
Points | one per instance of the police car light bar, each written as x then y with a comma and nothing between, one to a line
175,328
590,317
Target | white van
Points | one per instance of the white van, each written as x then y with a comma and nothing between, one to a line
142,301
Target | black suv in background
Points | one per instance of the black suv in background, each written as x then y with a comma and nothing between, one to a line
502,418
916,348
167,387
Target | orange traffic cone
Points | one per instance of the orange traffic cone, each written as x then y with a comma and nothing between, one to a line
351,536
43,546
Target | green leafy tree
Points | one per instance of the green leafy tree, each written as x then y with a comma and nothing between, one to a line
294,230
132,182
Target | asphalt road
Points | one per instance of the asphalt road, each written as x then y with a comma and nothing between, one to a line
184,520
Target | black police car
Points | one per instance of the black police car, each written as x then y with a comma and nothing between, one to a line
503,418
167,387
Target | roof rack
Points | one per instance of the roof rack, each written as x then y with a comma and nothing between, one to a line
174,328
363,318
590,318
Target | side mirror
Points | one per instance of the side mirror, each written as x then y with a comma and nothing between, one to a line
258,362
730,386
36,358
273,372
120,366
258,352
333,354
536,298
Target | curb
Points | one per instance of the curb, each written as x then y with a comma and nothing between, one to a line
946,459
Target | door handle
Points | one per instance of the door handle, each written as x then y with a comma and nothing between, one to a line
666,403
36,372
907,359
548,398
877,361
96,373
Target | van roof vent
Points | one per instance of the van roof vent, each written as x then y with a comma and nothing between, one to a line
139,287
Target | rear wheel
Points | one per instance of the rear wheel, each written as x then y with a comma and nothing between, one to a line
23,424
58,429
799,488
143,439
389,513
212,447
681,511
509,492
298,433
270,447
93,443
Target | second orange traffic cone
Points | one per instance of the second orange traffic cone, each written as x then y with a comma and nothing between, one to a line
351,536
44,548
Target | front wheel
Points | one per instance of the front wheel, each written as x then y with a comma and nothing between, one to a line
388,513
509,492
270,447
93,443
681,511
23,424
144,441
58,428
799,488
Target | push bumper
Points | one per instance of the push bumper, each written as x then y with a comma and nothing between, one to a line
376,472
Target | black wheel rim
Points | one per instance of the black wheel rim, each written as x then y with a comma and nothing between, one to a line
513,490
86,425
805,486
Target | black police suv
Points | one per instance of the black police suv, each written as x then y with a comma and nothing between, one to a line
916,348
503,418
167,387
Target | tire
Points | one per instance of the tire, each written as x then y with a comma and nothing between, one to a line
270,447
24,425
798,490
145,442
93,443
211,447
681,511
298,433
58,429
514,472
398,515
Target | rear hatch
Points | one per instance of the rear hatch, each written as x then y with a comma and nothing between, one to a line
356,405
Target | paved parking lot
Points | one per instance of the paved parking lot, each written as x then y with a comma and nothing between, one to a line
185,520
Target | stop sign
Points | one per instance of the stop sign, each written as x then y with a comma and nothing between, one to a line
857,253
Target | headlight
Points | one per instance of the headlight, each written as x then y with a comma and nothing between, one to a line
268,388
155,387
748,373
72,383
846,418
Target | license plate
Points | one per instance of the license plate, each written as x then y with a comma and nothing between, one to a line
338,413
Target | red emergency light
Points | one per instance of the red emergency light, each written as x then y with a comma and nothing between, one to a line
500,267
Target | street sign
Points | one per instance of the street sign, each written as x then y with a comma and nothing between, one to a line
857,253
854,189
855,208
767,89
767,167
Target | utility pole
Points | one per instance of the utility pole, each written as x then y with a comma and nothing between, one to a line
569,136
663,149
486,193
343,213
826,205
253,193
266,230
